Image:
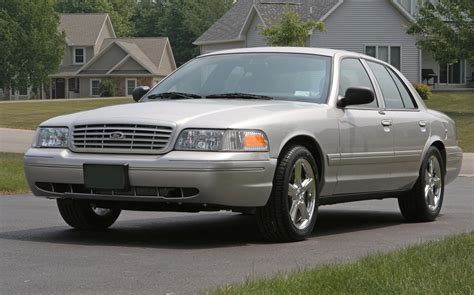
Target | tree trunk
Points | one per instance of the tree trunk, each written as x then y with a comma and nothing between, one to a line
7,90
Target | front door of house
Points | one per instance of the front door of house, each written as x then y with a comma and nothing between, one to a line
450,74
60,88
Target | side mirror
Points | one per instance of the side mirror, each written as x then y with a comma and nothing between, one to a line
356,96
139,92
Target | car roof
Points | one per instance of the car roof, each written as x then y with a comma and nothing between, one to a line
304,50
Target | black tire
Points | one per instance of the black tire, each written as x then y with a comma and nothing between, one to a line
81,215
274,221
414,206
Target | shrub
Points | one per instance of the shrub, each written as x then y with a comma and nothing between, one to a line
107,88
423,90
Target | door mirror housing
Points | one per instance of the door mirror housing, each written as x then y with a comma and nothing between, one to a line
139,92
356,96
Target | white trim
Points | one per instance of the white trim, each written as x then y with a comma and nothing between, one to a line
119,64
403,11
93,59
377,45
126,85
324,17
90,87
74,56
217,41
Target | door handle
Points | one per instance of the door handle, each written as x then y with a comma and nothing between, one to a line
422,123
386,122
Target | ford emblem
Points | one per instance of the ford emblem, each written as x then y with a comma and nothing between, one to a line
117,135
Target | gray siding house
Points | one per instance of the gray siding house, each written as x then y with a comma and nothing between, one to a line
93,53
374,27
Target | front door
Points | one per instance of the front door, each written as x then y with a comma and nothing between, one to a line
60,88
366,143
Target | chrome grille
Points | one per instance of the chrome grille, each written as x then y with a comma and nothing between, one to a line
121,138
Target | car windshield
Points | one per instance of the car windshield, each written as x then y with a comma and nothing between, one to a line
296,77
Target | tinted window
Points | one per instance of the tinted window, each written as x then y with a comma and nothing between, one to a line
406,97
353,74
390,92
297,77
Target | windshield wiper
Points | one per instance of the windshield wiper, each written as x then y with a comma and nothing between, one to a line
238,95
174,95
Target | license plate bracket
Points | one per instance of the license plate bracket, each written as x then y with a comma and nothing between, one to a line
106,176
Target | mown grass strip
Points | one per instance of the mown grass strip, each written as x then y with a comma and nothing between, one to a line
29,114
12,176
439,267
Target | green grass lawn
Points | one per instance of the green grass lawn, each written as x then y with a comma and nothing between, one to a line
441,267
12,177
29,114
460,107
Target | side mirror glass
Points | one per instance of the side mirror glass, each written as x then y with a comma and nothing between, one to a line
356,96
139,92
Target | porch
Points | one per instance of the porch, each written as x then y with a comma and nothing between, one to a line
64,88
447,77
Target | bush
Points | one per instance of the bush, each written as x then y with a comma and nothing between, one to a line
423,90
107,88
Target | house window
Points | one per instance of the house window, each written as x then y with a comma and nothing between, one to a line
130,84
79,55
95,83
390,54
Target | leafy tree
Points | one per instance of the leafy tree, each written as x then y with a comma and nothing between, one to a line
199,15
290,31
183,21
445,28
120,11
30,44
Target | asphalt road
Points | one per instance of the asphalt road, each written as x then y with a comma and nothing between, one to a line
186,253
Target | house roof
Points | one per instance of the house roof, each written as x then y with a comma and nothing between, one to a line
83,29
230,25
147,52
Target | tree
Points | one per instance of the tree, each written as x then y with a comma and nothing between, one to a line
120,12
446,29
31,45
290,31
183,21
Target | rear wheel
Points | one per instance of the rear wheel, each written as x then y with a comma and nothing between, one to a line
83,214
290,213
424,201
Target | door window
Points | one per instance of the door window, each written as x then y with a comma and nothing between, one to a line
407,99
353,74
391,95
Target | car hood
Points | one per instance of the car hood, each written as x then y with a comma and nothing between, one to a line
218,113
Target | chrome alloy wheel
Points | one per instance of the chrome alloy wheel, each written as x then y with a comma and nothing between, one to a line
433,183
302,194
100,211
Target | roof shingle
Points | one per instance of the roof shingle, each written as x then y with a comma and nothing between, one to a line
229,26
82,29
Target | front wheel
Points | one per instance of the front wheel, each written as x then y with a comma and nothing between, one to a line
290,213
82,214
424,201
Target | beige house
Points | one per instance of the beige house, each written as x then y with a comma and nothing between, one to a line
93,53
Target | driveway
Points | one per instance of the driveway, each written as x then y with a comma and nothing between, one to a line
185,253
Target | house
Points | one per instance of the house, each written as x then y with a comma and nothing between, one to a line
93,53
374,27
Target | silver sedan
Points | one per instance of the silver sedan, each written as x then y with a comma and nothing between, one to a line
272,131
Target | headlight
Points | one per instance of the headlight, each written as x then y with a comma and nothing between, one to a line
52,137
222,140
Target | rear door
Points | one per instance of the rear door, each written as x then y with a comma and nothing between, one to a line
366,145
410,127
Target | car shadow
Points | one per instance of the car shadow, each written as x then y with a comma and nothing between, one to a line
201,231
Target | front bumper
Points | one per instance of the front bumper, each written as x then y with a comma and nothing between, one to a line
225,179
